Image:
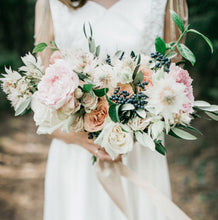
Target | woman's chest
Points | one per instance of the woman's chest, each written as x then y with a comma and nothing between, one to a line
126,25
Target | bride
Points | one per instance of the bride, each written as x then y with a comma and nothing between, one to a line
72,190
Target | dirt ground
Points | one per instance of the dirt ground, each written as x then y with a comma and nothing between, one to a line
193,170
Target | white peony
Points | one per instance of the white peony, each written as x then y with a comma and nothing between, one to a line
115,140
166,98
46,118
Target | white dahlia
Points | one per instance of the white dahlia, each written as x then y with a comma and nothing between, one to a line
167,98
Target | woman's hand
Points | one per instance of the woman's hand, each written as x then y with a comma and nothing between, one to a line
81,138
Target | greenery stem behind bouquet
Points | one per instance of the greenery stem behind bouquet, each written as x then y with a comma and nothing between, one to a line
117,98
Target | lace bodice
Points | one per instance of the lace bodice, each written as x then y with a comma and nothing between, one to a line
127,25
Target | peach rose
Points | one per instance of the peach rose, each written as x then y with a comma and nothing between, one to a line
147,72
55,56
94,121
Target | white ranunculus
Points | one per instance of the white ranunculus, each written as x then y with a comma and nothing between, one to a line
138,123
115,140
46,118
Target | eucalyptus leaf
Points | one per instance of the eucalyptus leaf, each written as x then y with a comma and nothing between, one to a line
213,116
114,112
183,134
92,47
23,107
201,104
212,108
177,20
135,72
204,37
39,47
160,148
190,128
141,113
139,77
100,92
139,59
127,107
160,45
145,140
97,52
186,53
132,54
171,55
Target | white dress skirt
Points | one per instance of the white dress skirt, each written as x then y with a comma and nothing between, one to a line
72,190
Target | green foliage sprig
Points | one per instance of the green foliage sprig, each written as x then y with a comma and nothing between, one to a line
167,49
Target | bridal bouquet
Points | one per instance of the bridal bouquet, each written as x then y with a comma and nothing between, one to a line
117,98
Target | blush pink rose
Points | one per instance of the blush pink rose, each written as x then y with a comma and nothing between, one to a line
58,85
55,56
182,76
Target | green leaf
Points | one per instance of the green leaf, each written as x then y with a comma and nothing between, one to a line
135,71
97,52
114,113
160,45
82,76
94,159
201,104
208,41
171,55
213,116
84,30
139,77
145,140
127,107
139,59
160,148
186,53
177,20
23,107
190,128
109,101
118,53
183,134
132,54
141,113
88,87
39,47
100,92
92,47
212,108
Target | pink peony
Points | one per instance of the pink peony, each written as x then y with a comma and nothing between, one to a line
182,76
55,56
58,85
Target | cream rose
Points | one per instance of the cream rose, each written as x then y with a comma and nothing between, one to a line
89,102
94,121
114,140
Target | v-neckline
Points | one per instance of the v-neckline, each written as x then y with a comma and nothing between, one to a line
101,6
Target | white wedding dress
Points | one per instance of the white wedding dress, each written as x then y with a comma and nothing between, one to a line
72,190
